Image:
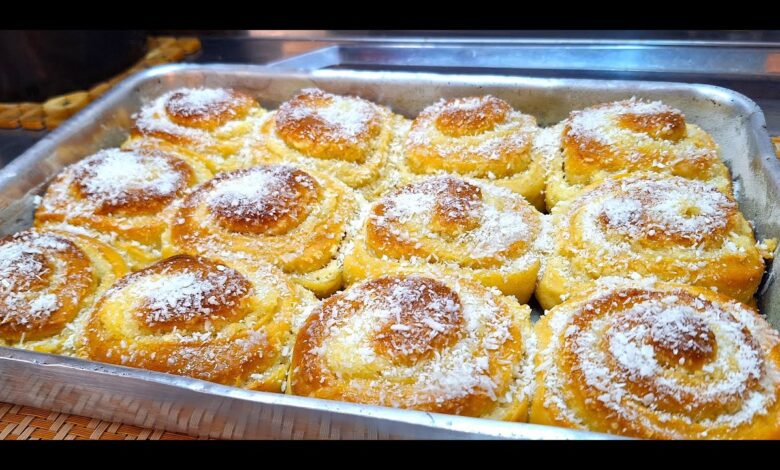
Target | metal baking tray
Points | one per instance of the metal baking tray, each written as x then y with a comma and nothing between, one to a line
163,401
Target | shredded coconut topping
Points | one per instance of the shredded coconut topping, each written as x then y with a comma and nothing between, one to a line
667,353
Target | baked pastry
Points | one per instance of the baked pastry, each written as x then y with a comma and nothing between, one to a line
668,227
274,213
196,317
347,137
656,360
48,282
445,224
120,196
447,346
213,124
625,137
480,137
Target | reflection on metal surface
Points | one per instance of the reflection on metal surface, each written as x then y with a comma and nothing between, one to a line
739,60
186,405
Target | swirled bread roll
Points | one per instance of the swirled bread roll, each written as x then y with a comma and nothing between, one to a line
211,124
652,225
48,282
625,137
279,214
121,197
442,345
346,137
444,224
479,137
196,317
659,361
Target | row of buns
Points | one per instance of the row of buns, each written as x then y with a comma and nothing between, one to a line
200,247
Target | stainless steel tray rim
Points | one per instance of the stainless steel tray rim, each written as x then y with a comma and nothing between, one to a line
465,427
488,428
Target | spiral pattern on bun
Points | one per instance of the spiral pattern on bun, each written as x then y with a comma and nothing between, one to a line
196,317
625,137
210,124
441,345
667,227
478,137
272,213
656,360
455,226
121,196
344,136
48,281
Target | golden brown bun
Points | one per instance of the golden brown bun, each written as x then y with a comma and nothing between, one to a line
279,214
48,283
214,125
672,228
444,224
477,137
658,361
122,197
199,318
626,137
447,346
347,137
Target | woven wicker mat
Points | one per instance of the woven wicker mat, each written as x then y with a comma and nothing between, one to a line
25,423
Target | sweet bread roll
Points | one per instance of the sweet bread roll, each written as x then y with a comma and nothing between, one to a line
658,361
344,136
652,225
213,124
120,196
199,318
48,282
446,346
274,213
478,137
444,224
626,137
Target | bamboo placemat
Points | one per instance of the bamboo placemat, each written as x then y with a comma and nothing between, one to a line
26,423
